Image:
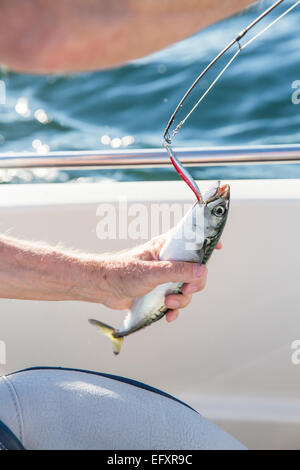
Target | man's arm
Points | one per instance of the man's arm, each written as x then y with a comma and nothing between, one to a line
49,36
33,271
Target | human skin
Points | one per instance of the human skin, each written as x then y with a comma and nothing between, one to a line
33,271
51,36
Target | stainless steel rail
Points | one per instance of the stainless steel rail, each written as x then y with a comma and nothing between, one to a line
217,156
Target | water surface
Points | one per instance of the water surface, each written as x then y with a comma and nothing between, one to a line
129,106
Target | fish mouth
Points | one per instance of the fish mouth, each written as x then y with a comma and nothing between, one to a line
220,192
224,191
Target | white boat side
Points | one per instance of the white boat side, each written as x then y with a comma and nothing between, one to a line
230,354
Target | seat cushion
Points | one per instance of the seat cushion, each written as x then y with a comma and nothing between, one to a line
68,409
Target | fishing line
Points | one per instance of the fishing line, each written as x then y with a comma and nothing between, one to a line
166,136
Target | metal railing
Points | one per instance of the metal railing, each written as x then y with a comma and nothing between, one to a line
217,156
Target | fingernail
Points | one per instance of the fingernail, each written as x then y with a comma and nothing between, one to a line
199,270
172,303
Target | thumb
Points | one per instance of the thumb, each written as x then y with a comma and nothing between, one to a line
161,272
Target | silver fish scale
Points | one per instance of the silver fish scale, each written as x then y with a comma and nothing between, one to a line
209,248
157,315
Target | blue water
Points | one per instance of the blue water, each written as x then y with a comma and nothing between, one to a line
128,107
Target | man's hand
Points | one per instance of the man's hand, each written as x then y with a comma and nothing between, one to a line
33,271
136,272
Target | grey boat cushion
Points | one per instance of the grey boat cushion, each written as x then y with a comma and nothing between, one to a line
69,409
8,440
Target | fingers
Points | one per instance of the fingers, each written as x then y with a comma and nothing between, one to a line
177,301
156,245
172,315
174,301
150,250
194,286
219,245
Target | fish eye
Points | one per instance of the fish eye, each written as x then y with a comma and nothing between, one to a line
218,211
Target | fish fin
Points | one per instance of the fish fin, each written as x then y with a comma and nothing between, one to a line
109,332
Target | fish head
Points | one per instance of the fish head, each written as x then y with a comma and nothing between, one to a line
216,207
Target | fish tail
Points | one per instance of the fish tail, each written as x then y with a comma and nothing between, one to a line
110,333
